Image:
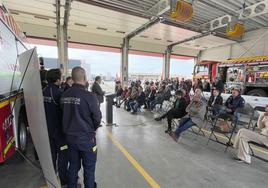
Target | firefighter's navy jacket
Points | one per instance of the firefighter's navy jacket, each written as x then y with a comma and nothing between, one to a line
52,95
81,114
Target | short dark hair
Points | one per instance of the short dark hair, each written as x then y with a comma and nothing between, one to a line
53,75
97,78
43,75
179,92
68,78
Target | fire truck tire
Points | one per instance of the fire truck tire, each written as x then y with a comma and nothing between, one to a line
22,133
257,92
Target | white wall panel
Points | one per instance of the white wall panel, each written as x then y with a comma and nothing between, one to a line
255,44
216,54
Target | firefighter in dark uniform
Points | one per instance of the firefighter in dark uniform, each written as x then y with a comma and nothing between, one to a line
58,146
81,119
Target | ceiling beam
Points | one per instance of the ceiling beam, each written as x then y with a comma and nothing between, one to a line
160,7
190,39
57,4
67,9
145,26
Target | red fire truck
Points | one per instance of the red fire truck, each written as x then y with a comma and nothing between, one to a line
249,74
205,70
13,121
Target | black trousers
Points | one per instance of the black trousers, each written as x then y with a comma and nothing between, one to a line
59,153
172,114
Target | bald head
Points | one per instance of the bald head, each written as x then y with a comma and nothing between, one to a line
79,75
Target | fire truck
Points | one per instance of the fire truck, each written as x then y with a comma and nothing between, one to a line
13,120
248,74
205,70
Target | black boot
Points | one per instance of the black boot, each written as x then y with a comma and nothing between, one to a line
168,131
158,119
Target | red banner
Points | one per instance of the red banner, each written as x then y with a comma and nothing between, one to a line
7,139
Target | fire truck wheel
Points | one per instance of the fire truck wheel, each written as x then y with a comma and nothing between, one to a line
257,92
22,133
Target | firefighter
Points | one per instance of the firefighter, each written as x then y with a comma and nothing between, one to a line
52,95
81,119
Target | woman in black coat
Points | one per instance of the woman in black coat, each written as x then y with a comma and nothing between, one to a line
178,111
215,101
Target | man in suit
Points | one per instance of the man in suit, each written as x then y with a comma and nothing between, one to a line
97,89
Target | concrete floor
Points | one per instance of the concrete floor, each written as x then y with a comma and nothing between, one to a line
187,164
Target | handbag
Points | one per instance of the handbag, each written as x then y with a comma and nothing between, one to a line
225,126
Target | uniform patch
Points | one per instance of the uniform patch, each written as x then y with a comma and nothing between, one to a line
63,147
70,100
94,149
47,99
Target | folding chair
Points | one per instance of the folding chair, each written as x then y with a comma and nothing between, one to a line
246,116
208,116
260,146
255,116
228,135
198,131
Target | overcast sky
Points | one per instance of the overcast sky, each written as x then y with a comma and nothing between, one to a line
104,62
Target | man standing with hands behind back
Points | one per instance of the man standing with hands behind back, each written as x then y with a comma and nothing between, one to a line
81,119
97,89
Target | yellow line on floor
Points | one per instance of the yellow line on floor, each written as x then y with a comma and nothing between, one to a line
253,147
131,159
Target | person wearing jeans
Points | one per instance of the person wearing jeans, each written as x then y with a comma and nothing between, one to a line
185,123
134,105
196,114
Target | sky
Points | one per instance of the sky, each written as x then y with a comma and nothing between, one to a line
109,62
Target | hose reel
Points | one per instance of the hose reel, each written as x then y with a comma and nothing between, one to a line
183,11
237,30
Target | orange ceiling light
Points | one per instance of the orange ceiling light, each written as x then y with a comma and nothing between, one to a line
183,12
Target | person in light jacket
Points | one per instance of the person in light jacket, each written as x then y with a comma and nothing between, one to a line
244,136
196,114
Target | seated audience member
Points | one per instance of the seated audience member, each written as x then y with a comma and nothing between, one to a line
147,89
186,96
196,114
206,86
119,94
178,111
234,101
117,83
244,136
150,98
157,86
219,84
165,95
158,94
215,101
139,101
198,85
126,93
133,95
